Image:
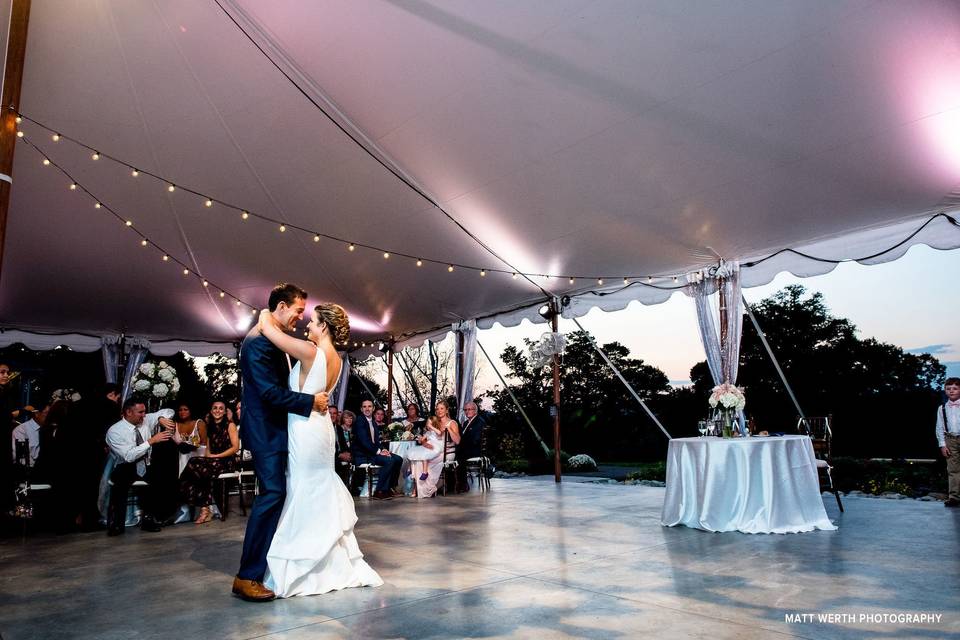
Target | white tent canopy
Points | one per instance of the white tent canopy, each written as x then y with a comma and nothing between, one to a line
605,139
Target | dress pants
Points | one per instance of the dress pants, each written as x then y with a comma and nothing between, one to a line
271,470
389,474
953,466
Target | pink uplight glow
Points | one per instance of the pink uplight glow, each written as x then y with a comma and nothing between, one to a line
363,324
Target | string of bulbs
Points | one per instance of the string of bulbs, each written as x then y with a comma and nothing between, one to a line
283,226
144,240
650,281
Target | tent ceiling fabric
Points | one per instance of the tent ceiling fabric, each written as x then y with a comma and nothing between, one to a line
610,138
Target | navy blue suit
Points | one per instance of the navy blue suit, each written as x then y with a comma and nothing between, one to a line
366,451
267,399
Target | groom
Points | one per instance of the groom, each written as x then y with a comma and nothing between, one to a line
267,399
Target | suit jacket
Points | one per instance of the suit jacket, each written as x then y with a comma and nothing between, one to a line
471,438
362,445
344,440
267,398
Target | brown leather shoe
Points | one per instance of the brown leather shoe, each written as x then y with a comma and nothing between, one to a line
252,590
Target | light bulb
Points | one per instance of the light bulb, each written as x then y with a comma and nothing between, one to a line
625,281
19,134
129,223
55,137
571,280
283,228
171,188
206,284
386,254
134,173
144,243
95,156
450,268
46,162
186,271
419,262
514,276
208,203
73,186
599,280
222,294
316,238
18,119
674,278
96,205
351,247
649,279
238,303
483,273
166,258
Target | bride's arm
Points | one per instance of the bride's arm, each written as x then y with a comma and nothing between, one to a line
299,349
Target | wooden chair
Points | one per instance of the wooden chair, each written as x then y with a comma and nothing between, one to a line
821,435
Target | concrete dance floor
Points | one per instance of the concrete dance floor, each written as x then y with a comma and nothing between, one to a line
527,560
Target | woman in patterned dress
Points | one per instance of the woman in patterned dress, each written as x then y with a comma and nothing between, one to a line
196,481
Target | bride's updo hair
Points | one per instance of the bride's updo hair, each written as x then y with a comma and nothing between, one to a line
336,320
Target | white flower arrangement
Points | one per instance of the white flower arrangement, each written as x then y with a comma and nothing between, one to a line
581,461
156,381
395,430
549,345
727,397
66,394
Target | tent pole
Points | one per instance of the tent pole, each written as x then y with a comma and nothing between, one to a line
724,328
10,102
390,382
523,413
773,357
623,380
556,396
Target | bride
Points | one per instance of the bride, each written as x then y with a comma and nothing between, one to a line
314,550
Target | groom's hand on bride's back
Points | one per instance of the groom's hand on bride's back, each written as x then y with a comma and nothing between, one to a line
320,402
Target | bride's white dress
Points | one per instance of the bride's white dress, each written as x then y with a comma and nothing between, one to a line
314,550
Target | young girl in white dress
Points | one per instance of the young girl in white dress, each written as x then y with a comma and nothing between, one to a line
430,447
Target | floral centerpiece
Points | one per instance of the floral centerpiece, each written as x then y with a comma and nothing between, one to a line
156,383
727,400
395,431
66,394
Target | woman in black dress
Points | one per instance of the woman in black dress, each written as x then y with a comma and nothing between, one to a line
196,481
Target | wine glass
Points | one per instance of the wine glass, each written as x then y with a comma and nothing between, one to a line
702,428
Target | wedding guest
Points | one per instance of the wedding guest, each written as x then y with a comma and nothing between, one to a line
450,431
426,459
367,449
135,446
380,416
414,423
471,443
223,442
191,433
334,413
30,431
948,437
343,453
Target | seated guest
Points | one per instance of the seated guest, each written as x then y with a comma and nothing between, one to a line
414,423
141,454
334,414
368,450
343,456
30,431
471,443
191,434
196,482
426,459
380,417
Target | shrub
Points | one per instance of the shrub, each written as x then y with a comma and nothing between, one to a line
581,462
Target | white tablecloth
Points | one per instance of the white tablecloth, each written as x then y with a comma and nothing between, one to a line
752,485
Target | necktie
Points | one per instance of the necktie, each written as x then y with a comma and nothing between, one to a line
142,461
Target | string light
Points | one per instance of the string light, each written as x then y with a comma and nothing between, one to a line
95,156
166,258
97,205
206,284
483,273
244,215
450,269
675,278
386,255
18,119
19,134
316,238
600,281
351,247
134,173
73,186
171,188
626,281
129,223
222,294
46,162
208,203
514,276
186,271
55,137
144,242
283,228
238,303
649,279
419,262
571,280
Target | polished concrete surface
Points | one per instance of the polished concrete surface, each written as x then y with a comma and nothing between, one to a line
527,560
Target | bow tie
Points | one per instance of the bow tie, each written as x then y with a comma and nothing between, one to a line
954,403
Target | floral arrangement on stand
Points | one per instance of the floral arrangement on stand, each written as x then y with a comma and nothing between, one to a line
156,383
727,400
543,350
66,394
581,462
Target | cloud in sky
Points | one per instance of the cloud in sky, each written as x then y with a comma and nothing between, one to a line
932,349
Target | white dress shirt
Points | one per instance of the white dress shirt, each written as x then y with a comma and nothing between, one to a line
29,431
122,439
953,422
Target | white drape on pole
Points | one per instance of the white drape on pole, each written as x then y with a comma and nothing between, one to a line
464,378
139,348
110,349
723,356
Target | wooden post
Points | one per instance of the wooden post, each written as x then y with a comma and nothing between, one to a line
12,78
390,382
556,398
